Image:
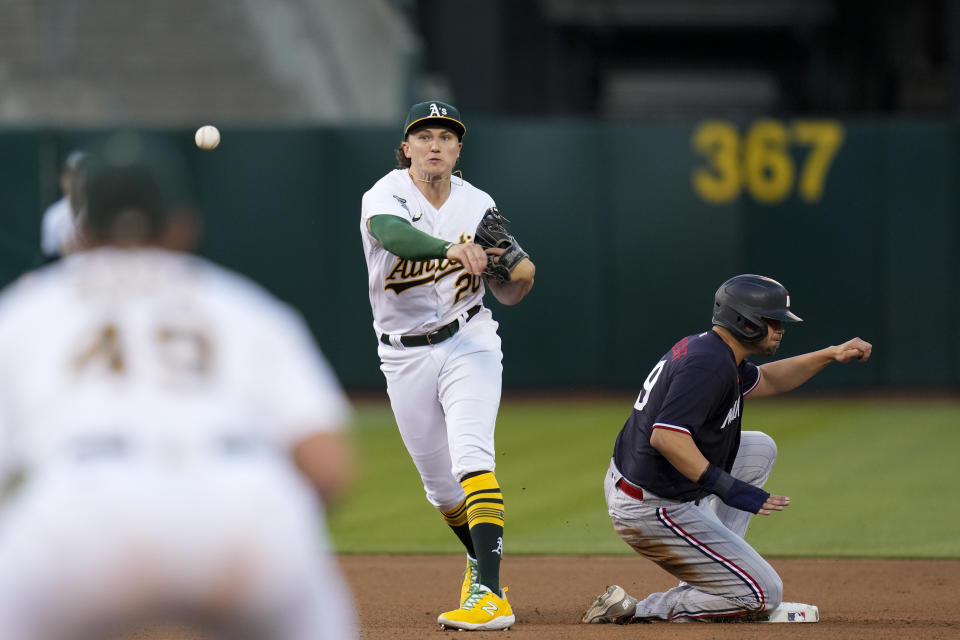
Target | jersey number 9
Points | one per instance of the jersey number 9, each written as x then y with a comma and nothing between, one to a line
648,385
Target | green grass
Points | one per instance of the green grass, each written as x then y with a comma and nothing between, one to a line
867,478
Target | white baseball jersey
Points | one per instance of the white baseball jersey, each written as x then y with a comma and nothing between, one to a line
57,228
152,400
417,296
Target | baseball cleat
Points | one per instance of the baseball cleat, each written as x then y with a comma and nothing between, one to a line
613,605
483,610
471,577
793,612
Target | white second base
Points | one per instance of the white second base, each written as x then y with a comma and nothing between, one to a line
794,612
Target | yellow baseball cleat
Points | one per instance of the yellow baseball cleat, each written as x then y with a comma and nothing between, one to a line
483,610
471,577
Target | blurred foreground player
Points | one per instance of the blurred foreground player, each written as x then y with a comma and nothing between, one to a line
684,481
172,426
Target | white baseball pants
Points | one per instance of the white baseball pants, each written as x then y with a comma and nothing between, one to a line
445,399
86,547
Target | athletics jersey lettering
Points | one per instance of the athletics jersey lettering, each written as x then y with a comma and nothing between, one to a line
408,273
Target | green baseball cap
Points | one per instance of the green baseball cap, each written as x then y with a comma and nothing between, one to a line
434,112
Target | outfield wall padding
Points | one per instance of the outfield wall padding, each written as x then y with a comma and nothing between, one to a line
632,228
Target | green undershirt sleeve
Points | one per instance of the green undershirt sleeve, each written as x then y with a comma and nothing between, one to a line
400,238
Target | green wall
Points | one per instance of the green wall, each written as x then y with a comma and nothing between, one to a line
857,218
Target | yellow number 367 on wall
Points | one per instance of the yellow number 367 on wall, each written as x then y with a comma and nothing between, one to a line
760,159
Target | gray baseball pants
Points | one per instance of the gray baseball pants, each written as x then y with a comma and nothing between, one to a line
701,544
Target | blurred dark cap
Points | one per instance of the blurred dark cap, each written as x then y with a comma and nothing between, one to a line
74,159
124,203
134,184
152,152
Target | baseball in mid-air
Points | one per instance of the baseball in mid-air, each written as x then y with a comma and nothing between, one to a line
207,137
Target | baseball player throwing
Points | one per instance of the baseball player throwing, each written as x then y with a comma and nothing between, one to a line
684,480
438,344
172,425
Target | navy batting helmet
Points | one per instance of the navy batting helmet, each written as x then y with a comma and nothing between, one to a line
743,303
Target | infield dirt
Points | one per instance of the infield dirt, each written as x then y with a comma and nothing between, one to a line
399,598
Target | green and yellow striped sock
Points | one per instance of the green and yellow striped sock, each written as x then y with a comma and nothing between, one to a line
484,507
457,520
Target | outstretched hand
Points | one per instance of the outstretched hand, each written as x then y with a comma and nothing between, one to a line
773,503
470,255
854,349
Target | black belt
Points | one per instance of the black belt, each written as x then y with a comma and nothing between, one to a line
434,337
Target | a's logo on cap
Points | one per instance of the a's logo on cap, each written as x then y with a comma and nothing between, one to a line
436,111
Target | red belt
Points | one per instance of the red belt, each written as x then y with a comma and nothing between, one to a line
629,489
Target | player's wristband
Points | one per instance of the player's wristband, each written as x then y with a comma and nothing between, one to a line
736,493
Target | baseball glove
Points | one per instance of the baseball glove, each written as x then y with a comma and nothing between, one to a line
494,232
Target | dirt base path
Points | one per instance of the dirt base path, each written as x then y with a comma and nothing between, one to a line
400,597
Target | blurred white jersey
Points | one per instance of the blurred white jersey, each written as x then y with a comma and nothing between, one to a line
57,227
417,296
151,401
